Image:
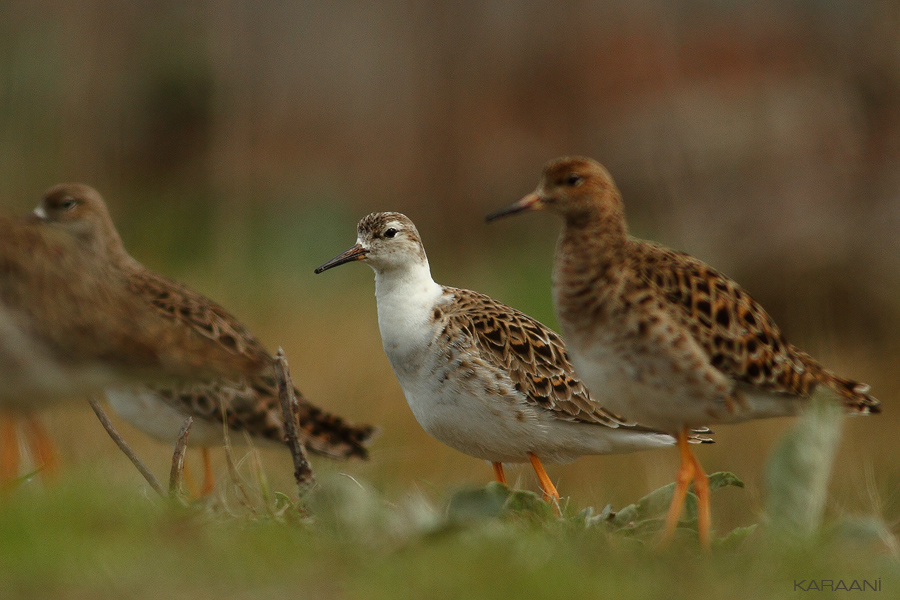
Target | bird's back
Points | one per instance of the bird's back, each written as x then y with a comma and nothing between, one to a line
739,337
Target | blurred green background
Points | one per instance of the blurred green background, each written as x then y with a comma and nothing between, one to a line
238,143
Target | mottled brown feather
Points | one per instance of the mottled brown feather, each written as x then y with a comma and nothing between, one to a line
185,307
144,318
533,356
739,336
253,406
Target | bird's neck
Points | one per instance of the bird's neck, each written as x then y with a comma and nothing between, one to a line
406,297
118,255
590,258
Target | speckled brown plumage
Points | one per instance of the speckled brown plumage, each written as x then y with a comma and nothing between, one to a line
193,328
65,271
533,355
738,335
200,314
659,336
253,406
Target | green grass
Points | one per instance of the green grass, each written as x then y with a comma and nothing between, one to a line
85,538
90,535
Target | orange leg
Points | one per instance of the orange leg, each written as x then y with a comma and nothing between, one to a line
209,481
190,483
9,449
45,455
498,472
701,488
550,493
690,470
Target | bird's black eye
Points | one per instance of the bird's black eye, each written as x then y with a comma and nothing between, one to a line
390,233
573,179
67,204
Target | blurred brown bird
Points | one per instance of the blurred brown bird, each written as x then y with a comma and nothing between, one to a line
71,326
73,289
64,284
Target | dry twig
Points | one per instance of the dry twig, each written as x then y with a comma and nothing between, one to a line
236,478
124,447
302,470
176,475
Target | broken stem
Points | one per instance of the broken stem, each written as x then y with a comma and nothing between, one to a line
302,470
124,447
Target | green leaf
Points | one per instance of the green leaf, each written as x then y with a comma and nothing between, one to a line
735,538
653,505
648,514
478,503
724,479
643,528
588,518
529,503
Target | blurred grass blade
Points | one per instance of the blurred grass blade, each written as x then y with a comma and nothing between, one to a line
798,471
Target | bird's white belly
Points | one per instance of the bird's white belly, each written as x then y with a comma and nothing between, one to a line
616,385
506,428
661,401
149,413
496,429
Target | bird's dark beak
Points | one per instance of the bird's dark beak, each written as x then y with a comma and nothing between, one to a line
530,202
357,252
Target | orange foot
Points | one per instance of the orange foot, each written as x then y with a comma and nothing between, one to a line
209,481
690,470
498,472
550,493
9,449
42,447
